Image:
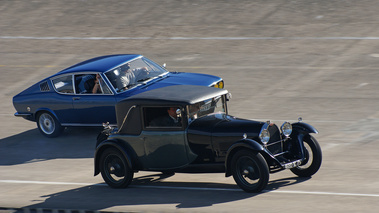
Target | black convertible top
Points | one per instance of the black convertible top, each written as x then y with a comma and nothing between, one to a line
166,96
180,94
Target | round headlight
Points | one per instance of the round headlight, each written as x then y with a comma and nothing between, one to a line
286,129
264,136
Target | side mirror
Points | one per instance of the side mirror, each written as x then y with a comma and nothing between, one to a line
164,65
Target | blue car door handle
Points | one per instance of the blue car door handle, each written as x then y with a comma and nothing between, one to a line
76,98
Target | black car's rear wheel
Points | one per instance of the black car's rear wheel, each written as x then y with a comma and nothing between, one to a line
48,125
250,170
313,158
115,169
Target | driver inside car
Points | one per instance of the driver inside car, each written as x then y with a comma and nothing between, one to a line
129,77
170,119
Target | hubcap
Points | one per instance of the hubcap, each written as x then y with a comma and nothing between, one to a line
47,124
115,168
247,169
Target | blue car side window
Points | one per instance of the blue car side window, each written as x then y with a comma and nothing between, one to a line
91,83
63,84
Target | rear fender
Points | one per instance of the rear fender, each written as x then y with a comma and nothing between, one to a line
39,110
107,144
241,144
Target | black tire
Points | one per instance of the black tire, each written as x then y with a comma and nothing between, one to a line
313,160
250,170
114,169
48,125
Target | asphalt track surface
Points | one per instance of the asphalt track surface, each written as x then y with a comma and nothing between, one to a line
279,59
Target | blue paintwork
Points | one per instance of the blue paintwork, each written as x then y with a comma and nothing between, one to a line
100,64
94,109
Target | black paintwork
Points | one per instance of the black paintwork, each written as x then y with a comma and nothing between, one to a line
208,142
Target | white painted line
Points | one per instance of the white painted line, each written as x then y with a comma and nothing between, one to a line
45,182
192,188
187,38
326,193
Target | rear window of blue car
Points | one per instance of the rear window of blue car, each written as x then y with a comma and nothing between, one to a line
63,84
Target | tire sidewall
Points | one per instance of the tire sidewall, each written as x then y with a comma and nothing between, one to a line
57,130
263,170
128,173
316,161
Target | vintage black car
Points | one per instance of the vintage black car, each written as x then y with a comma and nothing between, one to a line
187,128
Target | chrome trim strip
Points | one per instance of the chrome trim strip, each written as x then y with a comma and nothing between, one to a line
85,125
282,153
273,143
123,122
22,114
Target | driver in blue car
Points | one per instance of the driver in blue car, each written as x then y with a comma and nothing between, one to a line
129,77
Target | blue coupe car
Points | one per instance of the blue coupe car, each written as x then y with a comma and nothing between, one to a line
85,94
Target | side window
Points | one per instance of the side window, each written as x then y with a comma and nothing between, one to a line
90,84
63,84
162,117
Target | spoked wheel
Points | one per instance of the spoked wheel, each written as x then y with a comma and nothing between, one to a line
48,125
313,158
114,169
250,170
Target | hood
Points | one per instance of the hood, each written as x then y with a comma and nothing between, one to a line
180,78
225,126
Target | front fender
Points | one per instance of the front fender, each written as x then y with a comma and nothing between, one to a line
107,144
241,144
304,128
301,130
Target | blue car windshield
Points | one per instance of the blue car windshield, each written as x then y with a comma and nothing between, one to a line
133,73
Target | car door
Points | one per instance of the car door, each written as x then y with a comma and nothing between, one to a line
60,102
92,107
165,146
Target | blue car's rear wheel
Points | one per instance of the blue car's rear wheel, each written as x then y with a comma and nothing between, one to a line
48,125
115,169
250,170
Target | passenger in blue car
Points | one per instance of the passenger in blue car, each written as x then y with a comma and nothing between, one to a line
96,88
86,83
129,77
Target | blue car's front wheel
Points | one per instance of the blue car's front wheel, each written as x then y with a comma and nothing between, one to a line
48,125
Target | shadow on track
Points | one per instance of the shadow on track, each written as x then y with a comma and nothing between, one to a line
151,190
31,146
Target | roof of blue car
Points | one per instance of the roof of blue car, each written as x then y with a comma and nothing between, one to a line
100,64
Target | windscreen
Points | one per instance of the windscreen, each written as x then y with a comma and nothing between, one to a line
210,106
134,73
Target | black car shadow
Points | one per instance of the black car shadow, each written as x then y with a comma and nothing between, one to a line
152,190
31,146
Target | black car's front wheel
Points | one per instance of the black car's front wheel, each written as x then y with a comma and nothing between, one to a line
313,158
114,169
250,170
48,125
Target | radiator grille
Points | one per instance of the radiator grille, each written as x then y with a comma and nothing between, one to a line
275,144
